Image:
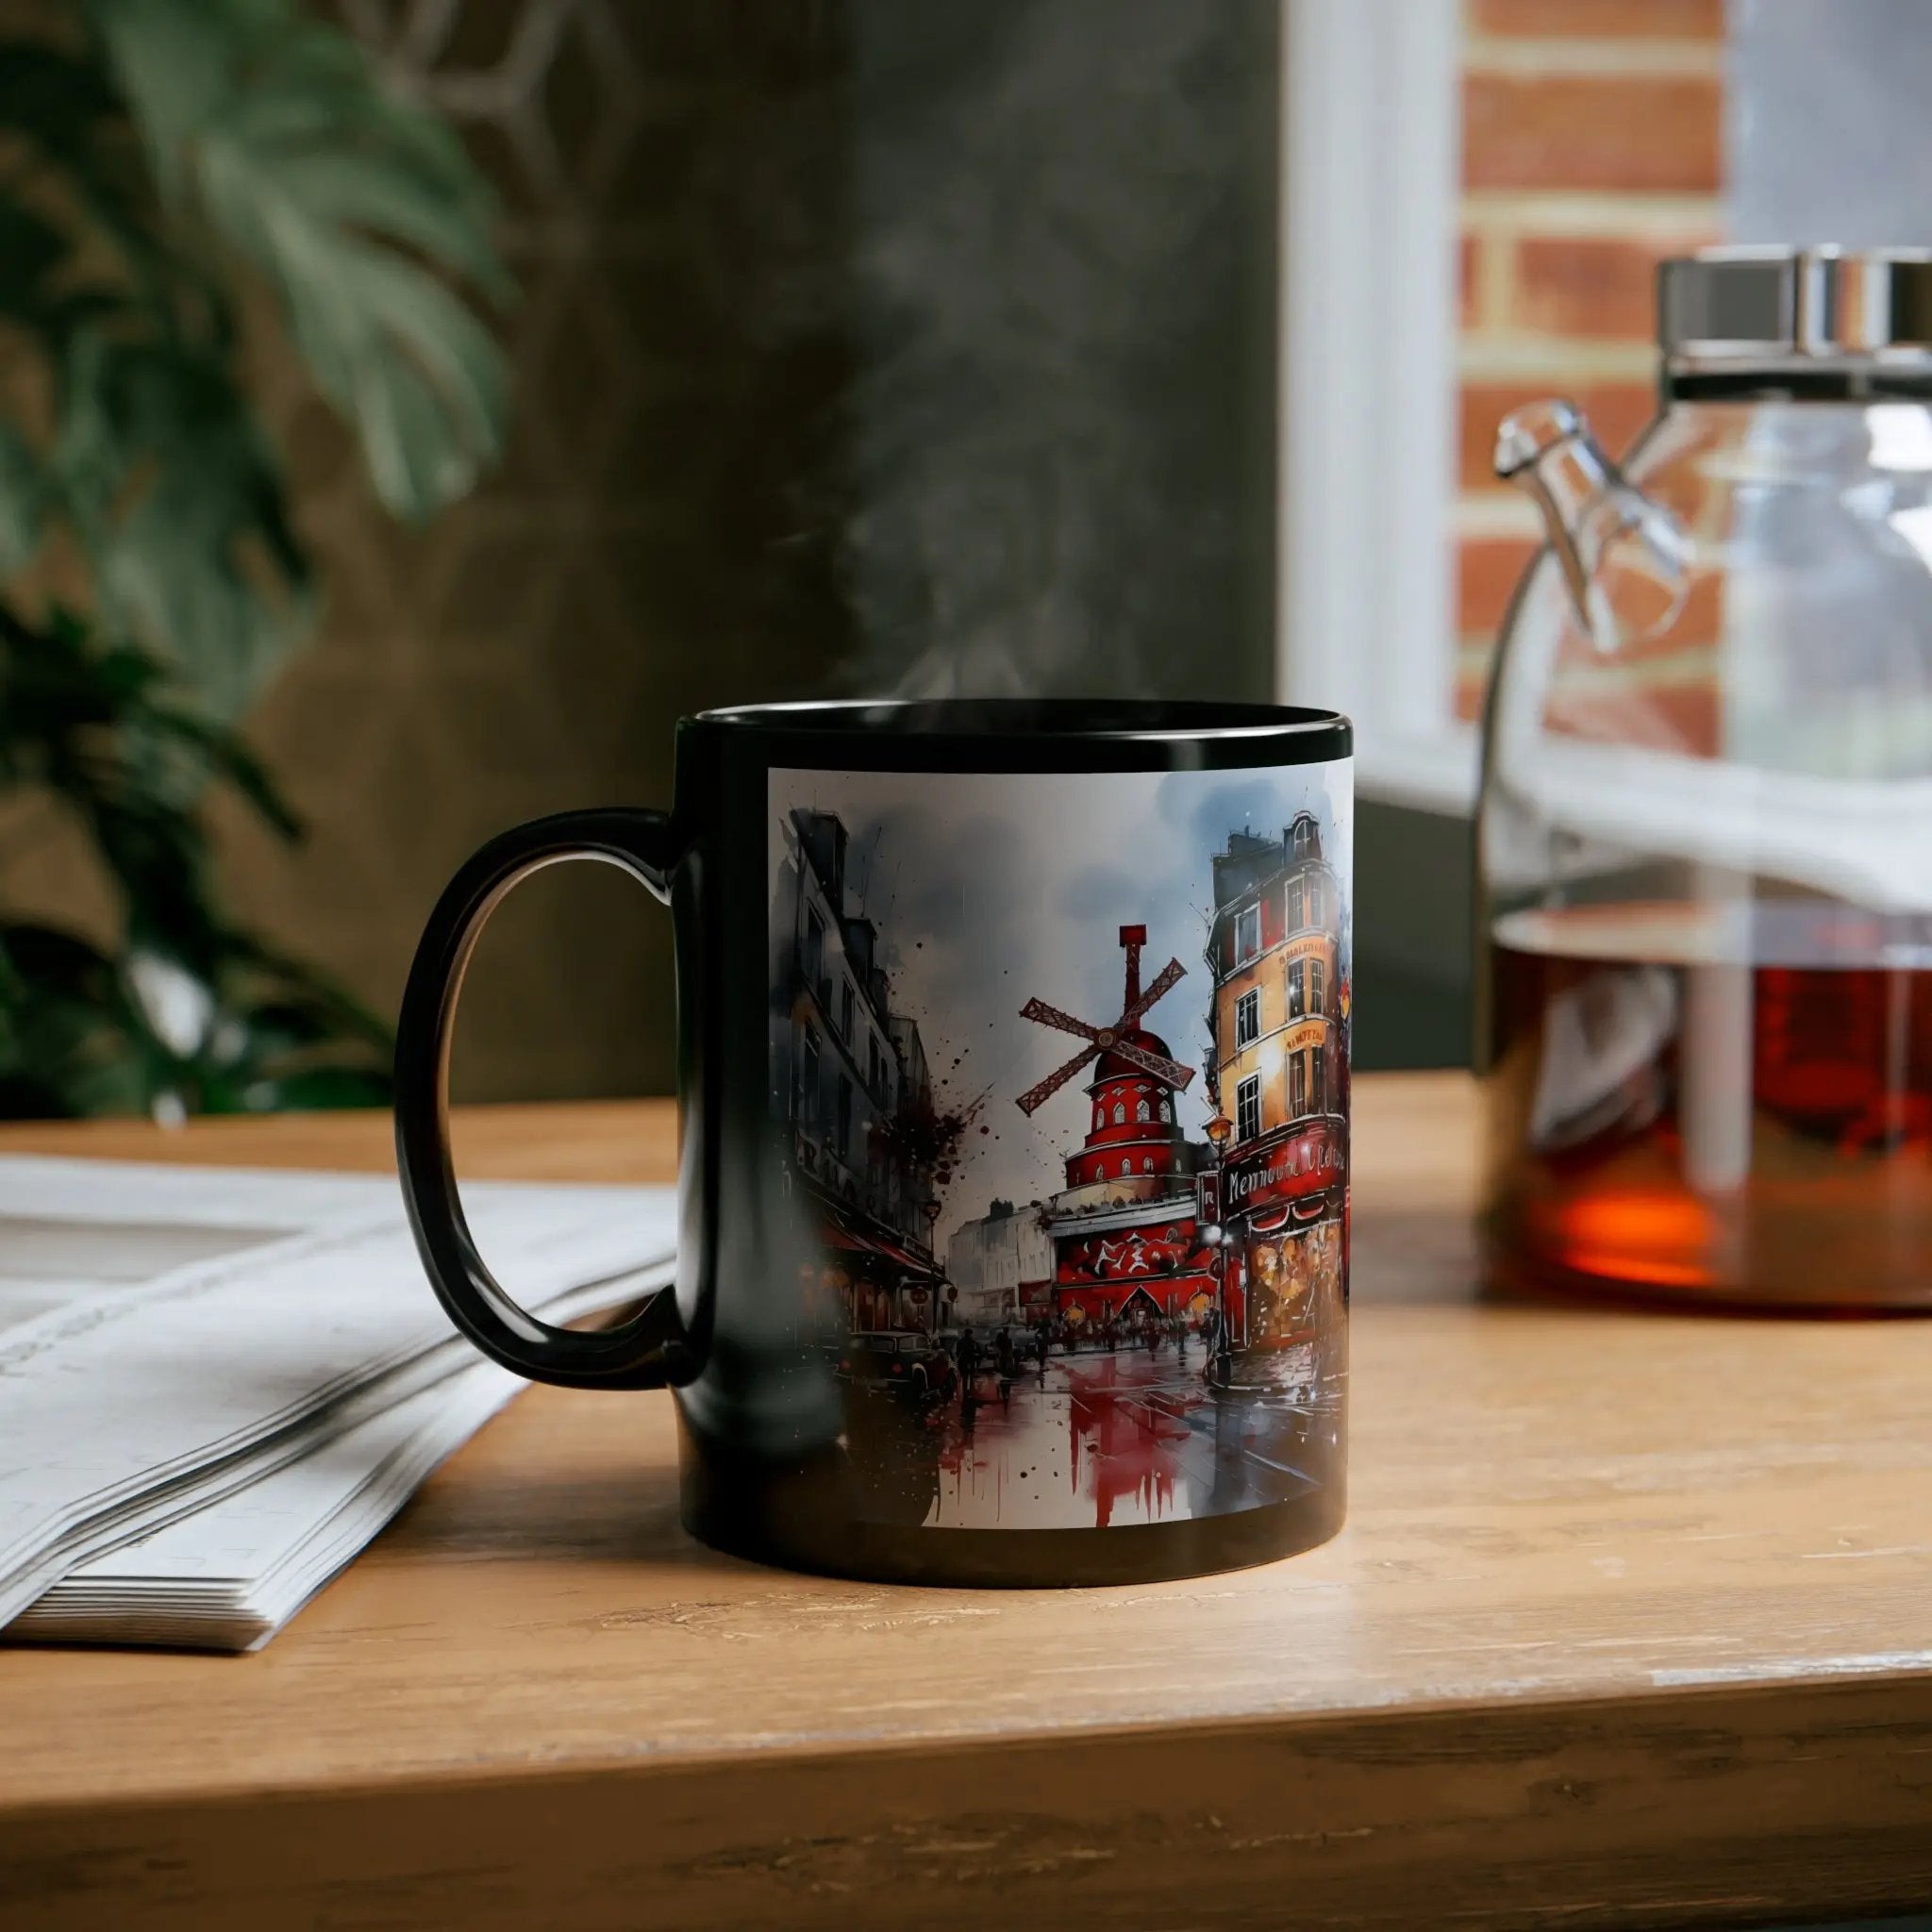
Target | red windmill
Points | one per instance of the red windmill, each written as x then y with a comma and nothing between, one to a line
1124,1038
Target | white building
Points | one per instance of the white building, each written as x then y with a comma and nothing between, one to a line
844,1065
1001,1265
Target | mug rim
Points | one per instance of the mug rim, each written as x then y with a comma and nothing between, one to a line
1045,729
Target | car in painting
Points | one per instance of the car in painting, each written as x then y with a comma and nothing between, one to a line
891,1360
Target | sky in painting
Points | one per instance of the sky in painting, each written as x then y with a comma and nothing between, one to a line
988,891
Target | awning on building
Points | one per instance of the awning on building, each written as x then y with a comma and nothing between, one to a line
1170,1295
849,1240
1306,1212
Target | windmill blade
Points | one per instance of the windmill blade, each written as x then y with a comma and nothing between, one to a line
1157,988
1052,1016
1056,1080
1171,1071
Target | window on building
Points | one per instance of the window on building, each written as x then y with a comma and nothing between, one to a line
814,950
1314,902
1166,1112
1119,1112
1247,1108
1297,988
1247,933
1127,1168
1291,906
1317,984
1140,1112
1099,1115
808,1077
1247,1018
841,1120
1318,1077
845,1002
1298,1085
1303,837
1147,1163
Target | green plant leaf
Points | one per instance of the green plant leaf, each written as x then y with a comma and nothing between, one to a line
148,157
177,499
30,250
63,111
51,97
227,757
294,980
314,1088
272,130
22,501
69,1045
414,370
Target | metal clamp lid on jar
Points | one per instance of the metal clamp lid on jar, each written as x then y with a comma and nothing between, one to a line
1765,310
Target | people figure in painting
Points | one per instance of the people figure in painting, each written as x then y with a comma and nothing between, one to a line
1041,1337
966,1353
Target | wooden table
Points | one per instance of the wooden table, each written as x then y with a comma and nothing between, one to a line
1632,1625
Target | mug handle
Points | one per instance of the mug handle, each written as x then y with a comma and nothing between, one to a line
646,1352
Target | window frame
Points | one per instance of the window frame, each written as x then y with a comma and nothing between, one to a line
814,949
1370,183
1241,916
810,1089
1247,1104
1247,1008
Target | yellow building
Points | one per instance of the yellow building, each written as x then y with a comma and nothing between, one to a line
1274,952
1280,1046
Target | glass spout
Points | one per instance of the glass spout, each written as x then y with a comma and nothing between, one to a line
1623,557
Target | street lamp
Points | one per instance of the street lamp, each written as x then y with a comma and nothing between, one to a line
1219,1128
930,1209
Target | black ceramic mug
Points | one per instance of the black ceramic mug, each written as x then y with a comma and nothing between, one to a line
1014,1067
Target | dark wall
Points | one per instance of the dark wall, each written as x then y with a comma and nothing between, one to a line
861,344
1413,938
1062,421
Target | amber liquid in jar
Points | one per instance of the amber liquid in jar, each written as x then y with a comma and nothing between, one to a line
1719,1105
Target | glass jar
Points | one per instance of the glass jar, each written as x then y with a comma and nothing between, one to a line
1705,835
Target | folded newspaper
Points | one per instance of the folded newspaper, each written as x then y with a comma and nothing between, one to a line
219,1384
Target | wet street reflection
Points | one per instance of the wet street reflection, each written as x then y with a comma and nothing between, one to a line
1098,1439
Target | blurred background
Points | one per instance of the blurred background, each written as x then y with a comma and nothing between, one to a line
411,407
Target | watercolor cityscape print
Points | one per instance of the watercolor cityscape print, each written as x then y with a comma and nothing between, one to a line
1059,1066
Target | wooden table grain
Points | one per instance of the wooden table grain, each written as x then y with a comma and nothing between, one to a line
1631,1625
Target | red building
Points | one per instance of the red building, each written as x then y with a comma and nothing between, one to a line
1279,1019
1126,1233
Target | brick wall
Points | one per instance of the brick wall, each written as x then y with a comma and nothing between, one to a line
1591,147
